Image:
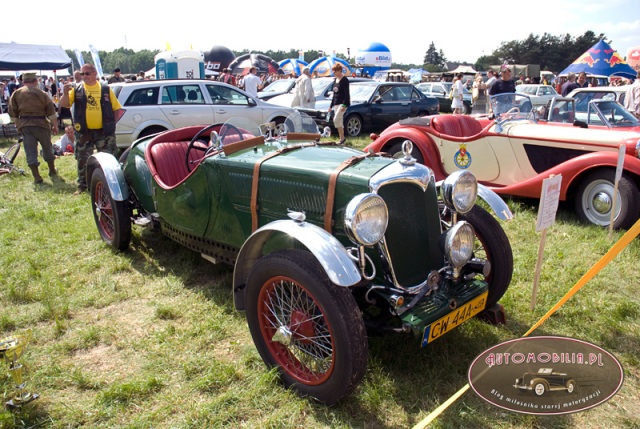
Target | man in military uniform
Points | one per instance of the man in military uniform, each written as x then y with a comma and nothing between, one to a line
95,110
117,76
34,114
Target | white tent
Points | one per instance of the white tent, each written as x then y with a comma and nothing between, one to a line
464,69
15,56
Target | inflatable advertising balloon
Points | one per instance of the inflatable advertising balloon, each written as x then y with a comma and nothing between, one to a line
323,66
292,66
263,63
218,58
633,57
374,58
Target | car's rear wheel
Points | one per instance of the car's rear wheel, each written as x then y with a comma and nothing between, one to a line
112,217
151,131
539,387
353,125
594,199
307,327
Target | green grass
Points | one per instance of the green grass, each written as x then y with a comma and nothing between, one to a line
149,338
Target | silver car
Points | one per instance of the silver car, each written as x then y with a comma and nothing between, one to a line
152,106
540,95
322,88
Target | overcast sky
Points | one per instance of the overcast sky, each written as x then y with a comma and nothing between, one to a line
464,30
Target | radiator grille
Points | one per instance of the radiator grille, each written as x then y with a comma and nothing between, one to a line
413,232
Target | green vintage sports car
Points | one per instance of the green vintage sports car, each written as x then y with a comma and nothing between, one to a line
326,241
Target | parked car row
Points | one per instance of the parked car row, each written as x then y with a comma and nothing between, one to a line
375,106
441,91
159,105
152,106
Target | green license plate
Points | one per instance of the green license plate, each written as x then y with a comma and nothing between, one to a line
454,319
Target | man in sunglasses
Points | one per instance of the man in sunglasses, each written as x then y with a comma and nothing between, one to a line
95,110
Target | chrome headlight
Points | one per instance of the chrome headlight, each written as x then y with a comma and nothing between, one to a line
365,219
459,191
459,243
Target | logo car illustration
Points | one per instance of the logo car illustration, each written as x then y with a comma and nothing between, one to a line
545,380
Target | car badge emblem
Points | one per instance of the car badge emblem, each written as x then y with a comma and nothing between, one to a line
462,158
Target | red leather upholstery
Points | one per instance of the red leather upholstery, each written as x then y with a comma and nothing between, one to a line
470,126
447,124
166,161
456,125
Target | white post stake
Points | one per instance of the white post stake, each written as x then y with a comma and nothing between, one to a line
546,217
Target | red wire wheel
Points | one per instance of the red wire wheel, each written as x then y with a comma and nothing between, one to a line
306,326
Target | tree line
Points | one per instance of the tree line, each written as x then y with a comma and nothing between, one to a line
551,52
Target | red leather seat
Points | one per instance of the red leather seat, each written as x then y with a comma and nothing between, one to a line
456,125
168,161
470,126
447,124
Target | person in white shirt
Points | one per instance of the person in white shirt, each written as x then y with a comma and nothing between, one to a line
491,79
252,82
632,97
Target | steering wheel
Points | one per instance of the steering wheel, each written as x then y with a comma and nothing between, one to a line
514,110
226,128
192,144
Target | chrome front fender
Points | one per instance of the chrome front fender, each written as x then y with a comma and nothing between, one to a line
112,172
497,204
329,252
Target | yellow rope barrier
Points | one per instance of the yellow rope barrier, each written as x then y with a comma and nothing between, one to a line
612,253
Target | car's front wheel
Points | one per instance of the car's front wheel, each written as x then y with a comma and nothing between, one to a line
112,217
395,150
571,386
594,199
491,245
353,125
306,326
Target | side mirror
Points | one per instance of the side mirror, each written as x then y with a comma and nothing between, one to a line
252,102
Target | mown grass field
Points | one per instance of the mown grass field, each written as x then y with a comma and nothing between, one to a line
149,338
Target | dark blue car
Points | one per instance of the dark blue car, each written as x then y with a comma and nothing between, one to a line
376,105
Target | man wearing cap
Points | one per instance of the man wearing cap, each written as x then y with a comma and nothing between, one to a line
117,77
34,114
95,110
